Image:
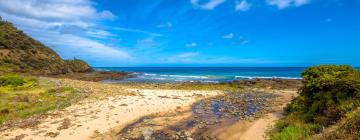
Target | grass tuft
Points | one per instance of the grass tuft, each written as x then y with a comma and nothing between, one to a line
21,97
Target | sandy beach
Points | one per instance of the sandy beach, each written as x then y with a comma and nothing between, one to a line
90,118
109,108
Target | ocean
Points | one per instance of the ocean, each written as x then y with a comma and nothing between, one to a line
203,74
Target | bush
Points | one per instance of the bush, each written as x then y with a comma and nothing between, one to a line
357,75
12,80
348,128
328,92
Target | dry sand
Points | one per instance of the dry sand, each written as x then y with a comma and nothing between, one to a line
91,118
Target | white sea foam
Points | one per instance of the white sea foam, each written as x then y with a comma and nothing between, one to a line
149,74
186,76
178,76
265,77
210,81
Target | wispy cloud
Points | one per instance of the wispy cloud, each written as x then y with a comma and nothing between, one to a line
187,55
228,36
243,40
209,5
165,25
242,5
67,26
100,34
193,44
282,4
148,42
135,31
197,58
61,12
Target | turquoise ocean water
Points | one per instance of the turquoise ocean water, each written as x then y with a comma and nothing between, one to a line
204,74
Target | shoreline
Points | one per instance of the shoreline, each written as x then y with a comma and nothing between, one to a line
110,107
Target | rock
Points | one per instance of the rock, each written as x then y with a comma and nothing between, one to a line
52,134
19,137
147,133
65,124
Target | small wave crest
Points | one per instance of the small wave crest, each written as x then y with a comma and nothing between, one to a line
175,76
266,77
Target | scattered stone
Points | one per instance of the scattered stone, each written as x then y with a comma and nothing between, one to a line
52,134
65,124
123,105
20,137
147,133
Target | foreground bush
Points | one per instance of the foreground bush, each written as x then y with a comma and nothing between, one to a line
15,80
329,92
347,129
22,97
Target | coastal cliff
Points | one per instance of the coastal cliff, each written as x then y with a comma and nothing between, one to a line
22,54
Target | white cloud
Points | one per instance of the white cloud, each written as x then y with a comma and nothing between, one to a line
64,11
228,36
187,55
67,26
70,46
209,5
282,4
146,43
196,58
86,47
242,6
135,31
193,44
243,40
165,25
100,34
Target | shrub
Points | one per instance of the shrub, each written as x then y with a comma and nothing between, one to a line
12,80
348,128
357,76
328,92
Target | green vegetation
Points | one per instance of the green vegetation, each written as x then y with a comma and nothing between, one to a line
328,95
21,54
231,86
294,131
15,81
21,97
347,128
357,75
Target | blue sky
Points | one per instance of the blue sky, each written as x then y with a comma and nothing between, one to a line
194,32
